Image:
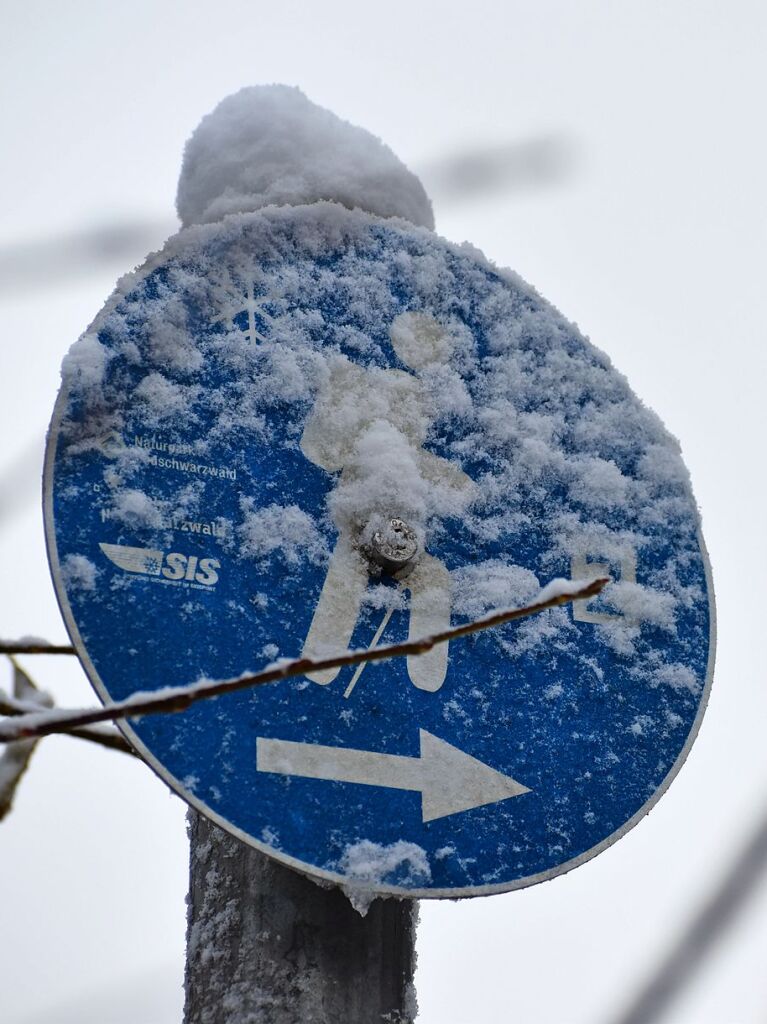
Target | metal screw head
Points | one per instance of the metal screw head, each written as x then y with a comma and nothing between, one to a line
394,546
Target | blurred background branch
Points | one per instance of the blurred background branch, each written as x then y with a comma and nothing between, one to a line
706,929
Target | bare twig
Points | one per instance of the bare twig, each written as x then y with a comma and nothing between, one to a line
110,738
13,647
170,699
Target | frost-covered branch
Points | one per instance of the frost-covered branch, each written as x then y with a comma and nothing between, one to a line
14,760
28,699
14,706
32,645
171,699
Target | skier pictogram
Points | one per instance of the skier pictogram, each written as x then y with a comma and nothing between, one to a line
371,425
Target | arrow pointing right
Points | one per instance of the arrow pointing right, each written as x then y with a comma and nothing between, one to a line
448,780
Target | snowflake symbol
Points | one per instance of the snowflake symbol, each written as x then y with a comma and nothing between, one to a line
238,301
152,566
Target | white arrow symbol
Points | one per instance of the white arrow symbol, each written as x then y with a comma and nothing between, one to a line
448,780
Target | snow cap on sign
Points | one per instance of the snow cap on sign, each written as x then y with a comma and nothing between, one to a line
269,145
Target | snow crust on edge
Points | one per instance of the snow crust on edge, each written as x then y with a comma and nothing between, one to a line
270,145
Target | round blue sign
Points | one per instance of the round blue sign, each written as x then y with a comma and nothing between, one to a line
307,429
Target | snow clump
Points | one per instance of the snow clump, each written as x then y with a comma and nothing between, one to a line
79,573
283,529
366,864
270,145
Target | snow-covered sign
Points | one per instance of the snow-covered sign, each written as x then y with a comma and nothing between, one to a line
306,428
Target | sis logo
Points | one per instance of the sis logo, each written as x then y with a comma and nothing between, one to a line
173,566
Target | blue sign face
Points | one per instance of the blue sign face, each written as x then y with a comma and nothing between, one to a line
309,429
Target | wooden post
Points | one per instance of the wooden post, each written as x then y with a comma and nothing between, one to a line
266,944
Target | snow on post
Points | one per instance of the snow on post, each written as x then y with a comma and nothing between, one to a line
268,145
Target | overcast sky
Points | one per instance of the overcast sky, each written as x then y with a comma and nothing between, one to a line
649,233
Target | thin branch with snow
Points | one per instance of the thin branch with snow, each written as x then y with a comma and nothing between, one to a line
13,707
171,699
